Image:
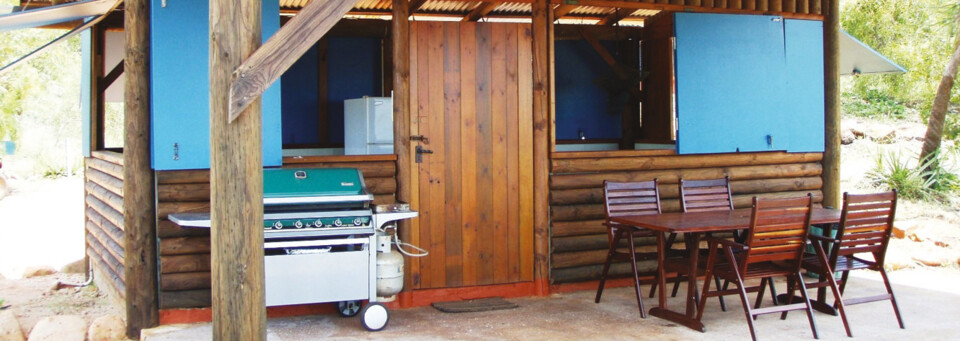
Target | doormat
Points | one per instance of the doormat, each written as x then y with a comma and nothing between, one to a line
469,306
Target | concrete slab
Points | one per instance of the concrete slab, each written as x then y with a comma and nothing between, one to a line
928,315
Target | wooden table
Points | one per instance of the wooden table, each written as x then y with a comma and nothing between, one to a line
692,225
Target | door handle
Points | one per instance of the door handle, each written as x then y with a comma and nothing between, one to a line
420,138
420,151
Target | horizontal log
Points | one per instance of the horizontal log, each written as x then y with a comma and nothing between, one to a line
592,272
105,196
183,192
577,228
106,181
105,241
168,229
593,242
101,268
165,208
106,212
108,261
381,185
382,199
671,190
600,164
581,212
376,169
185,299
113,169
185,281
105,225
184,246
109,156
183,177
594,180
581,258
611,153
184,263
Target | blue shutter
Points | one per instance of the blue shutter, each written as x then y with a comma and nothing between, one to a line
802,110
180,89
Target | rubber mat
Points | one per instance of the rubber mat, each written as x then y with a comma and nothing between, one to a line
469,306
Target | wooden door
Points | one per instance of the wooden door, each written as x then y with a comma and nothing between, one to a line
471,98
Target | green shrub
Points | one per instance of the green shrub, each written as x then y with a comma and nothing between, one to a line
892,171
875,104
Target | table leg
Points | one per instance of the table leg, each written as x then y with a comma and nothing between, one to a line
661,311
693,249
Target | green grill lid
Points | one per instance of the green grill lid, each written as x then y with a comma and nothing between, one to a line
312,185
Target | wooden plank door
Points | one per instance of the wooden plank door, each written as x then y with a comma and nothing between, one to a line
471,99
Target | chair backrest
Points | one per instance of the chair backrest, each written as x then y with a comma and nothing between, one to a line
631,198
778,231
705,195
865,224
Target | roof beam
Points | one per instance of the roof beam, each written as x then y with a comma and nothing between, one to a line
615,17
562,10
480,11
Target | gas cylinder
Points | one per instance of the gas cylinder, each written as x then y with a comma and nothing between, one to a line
389,269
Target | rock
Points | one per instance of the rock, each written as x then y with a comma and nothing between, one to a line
929,260
887,138
37,271
10,327
59,328
847,137
901,233
107,328
940,243
857,133
958,261
76,267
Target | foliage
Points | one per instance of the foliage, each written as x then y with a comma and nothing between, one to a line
913,33
893,171
875,104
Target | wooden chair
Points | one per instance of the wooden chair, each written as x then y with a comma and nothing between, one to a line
866,223
621,199
774,247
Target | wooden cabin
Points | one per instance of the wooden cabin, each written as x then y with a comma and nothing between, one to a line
526,105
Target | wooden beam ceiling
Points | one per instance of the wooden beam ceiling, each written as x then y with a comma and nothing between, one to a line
562,10
415,5
480,11
615,17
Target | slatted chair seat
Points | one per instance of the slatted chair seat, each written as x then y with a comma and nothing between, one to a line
866,223
773,246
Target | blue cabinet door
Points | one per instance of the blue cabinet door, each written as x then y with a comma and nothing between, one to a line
748,83
180,86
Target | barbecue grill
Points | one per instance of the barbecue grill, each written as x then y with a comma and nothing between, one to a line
320,239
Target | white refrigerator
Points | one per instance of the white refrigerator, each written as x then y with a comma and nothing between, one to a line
368,126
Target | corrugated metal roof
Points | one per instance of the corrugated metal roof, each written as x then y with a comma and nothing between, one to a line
464,7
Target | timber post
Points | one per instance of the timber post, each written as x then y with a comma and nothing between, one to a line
541,23
401,115
831,88
139,214
236,179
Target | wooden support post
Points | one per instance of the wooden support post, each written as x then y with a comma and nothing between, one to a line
401,116
139,214
541,140
236,179
831,88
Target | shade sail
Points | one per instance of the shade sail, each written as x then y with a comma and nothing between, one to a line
54,14
858,58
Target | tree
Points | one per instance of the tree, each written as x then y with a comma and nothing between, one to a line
941,102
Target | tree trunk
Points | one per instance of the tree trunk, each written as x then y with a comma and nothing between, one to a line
931,141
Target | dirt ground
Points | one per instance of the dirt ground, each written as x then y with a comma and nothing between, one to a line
41,223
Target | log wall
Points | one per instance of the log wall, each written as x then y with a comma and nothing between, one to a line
103,192
578,238
185,253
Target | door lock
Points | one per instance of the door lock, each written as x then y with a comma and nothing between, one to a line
420,138
420,151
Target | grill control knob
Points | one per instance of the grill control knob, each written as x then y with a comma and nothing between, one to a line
298,224
357,222
318,223
278,225
337,223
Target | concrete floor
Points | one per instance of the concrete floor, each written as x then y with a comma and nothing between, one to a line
929,314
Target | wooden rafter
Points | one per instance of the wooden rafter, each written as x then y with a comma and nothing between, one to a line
615,17
562,10
272,59
480,11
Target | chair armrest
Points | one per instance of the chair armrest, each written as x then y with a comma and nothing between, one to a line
727,242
